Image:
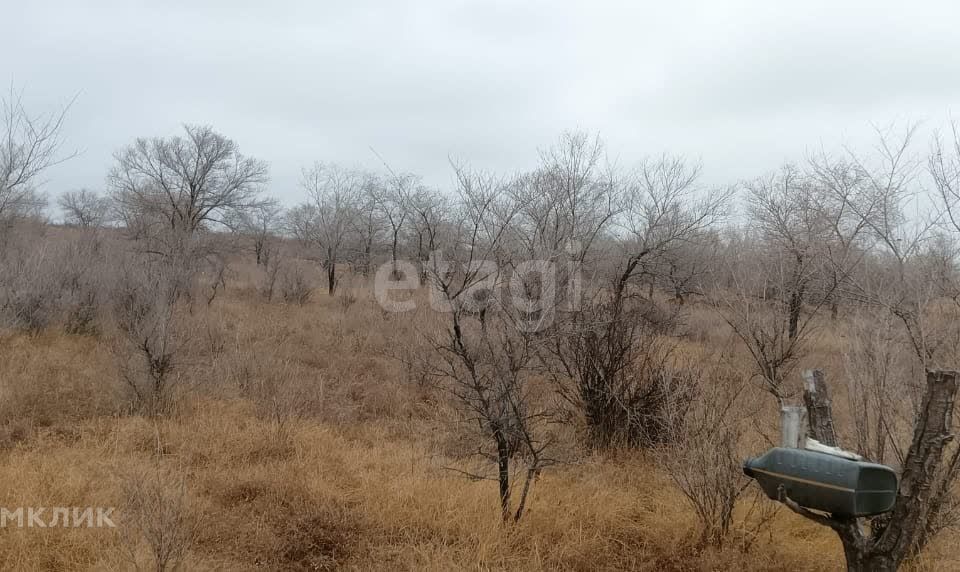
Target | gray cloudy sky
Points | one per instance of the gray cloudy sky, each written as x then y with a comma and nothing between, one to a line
743,85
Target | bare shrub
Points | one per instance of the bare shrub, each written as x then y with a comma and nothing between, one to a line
346,300
84,266
28,292
45,282
149,334
616,370
157,516
703,455
282,394
879,394
295,288
272,266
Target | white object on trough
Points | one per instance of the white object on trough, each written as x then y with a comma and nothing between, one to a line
814,445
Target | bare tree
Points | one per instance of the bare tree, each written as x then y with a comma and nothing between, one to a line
486,351
428,211
840,183
30,145
335,194
260,223
368,228
664,208
185,182
929,469
391,198
570,200
613,357
900,225
84,208
786,209
757,300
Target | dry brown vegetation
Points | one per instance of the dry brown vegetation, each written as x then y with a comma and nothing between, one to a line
299,443
591,353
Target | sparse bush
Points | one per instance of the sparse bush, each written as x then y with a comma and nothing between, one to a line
157,514
703,456
346,299
272,266
28,295
149,335
295,288
615,370
51,282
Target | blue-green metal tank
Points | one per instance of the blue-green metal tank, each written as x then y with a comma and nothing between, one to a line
825,482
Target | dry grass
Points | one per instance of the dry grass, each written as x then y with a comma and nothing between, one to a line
356,480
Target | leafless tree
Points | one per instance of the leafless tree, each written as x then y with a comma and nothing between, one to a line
298,222
84,208
271,273
260,224
182,183
428,212
840,183
682,272
786,209
900,226
368,227
30,144
335,198
485,352
664,208
929,469
570,200
614,358
757,300
391,198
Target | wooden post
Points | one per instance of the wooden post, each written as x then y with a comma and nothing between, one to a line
819,408
793,426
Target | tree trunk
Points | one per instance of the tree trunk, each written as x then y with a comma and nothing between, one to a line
922,475
503,472
531,475
819,408
861,561
905,531
795,306
394,271
331,277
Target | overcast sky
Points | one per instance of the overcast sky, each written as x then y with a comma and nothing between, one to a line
741,85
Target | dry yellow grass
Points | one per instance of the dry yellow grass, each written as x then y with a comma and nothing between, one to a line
358,481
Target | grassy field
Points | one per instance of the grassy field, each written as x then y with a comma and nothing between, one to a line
299,442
